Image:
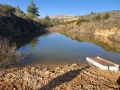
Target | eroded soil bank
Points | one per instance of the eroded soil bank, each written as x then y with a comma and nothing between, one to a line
66,77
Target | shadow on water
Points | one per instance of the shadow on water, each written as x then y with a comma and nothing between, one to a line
62,78
31,40
21,41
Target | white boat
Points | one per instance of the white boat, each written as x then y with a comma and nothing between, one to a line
102,63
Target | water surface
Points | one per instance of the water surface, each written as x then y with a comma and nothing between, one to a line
57,48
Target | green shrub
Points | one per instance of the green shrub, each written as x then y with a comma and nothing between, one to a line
98,17
106,16
30,15
81,20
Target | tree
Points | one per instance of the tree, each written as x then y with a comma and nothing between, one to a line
47,18
32,9
92,13
48,21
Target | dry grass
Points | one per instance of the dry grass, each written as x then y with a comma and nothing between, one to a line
7,51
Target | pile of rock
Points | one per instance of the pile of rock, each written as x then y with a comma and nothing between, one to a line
67,77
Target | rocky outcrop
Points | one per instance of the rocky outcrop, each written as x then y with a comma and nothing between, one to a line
113,33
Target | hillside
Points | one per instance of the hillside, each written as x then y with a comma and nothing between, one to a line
14,22
102,29
105,24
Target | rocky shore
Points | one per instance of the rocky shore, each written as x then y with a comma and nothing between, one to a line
66,77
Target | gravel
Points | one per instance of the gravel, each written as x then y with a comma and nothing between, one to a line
66,77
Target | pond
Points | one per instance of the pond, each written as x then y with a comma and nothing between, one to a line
56,48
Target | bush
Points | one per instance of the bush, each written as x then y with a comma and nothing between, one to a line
98,17
30,15
6,9
106,16
7,51
19,12
81,20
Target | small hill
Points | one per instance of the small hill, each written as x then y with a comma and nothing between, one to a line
104,24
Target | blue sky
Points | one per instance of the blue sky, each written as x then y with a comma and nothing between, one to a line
71,7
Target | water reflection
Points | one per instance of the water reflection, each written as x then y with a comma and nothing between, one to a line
22,41
57,48
104,43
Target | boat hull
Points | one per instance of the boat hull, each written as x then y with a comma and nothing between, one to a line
103,67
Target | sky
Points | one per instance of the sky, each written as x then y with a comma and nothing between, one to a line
67,7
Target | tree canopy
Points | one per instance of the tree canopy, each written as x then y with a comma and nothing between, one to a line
33,9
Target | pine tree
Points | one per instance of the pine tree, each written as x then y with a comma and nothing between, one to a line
32,9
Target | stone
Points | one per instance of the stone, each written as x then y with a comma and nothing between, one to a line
47,72
58,68
74,65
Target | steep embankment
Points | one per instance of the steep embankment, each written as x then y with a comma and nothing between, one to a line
14,22
16,26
